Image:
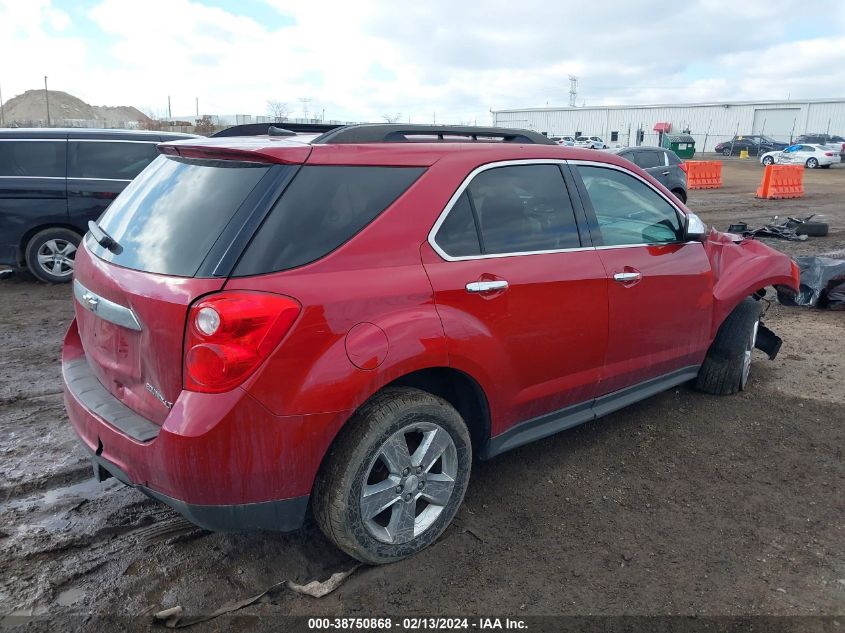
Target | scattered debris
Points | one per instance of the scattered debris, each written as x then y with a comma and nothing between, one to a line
173,617
822,284
793,229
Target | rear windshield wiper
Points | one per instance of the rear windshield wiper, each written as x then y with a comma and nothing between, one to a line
102,238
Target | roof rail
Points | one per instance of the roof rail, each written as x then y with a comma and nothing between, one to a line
398,133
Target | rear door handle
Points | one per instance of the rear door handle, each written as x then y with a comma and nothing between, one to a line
627,278
486,286
665,173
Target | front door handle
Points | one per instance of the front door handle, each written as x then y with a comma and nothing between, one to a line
627,278
486,286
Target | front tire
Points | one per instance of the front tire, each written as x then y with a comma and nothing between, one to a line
395,477
728,362
768,160
726,151
50,254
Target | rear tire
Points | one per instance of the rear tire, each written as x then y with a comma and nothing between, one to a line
50,254
813,229
380,502
812,163
727,365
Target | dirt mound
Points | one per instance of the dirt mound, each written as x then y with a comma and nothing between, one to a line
29,109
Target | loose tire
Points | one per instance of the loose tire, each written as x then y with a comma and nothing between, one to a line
728,362
50,254
813,229
768,160
812,163
395,476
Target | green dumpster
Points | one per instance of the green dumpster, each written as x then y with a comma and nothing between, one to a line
682,144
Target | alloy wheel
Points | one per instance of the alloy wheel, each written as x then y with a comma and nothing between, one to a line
56,257
746,359
409,483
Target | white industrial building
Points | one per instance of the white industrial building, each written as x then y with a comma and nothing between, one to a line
708,123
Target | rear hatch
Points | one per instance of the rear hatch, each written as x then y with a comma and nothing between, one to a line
172,227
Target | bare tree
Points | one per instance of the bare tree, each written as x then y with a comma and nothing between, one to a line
204,126
279,110
392,118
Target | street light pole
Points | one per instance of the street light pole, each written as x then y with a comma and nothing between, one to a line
2,111
47,99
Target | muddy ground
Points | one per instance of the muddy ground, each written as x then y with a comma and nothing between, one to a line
682,504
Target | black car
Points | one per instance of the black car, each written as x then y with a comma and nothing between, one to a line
53,181
663,165
755,144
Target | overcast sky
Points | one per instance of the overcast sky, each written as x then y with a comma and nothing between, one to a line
361,59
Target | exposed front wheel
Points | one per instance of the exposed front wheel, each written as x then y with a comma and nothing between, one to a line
50,254
728,362
395,476
768,160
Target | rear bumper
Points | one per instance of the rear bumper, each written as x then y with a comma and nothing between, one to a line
222,460
284,515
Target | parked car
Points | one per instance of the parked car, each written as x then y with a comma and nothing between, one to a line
358,318
811,156
820,139
568,141
755,144
53,181
662,164
591,142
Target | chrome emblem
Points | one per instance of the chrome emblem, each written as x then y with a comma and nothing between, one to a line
158,395
92,300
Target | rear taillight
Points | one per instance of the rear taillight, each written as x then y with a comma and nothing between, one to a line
828,153
683,167
229,334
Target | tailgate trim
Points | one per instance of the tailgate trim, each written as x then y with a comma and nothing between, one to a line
83,384
105,309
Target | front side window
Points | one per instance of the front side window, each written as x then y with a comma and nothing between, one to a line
519,209
33,159
108,159
627,210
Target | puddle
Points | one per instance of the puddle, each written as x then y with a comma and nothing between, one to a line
70,596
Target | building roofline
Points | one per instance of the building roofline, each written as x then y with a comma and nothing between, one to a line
712,104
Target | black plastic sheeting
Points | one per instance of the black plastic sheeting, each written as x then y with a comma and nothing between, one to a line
822,284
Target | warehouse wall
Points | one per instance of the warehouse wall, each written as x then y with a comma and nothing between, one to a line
711,122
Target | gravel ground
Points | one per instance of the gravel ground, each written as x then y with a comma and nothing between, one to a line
684,504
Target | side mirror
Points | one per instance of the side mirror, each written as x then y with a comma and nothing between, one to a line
694,229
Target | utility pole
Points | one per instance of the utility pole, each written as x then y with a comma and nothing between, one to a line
169,113
573,90
47,99
198,106
2,111
305,101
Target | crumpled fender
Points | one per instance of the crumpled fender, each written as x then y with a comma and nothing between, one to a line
741,267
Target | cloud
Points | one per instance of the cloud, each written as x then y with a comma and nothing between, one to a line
453,60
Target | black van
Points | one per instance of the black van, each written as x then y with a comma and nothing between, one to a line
53,181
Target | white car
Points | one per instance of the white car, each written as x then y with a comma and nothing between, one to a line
811,156
592,142
568,141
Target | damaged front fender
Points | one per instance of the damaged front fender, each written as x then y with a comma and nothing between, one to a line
741,267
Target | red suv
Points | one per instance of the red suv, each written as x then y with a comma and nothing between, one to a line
341,322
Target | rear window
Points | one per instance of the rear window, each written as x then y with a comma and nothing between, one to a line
169,217
38,159
322,208
111,160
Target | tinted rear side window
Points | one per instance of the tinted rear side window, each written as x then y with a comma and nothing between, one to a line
109,159
322,208
45,159
169,217
458,235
